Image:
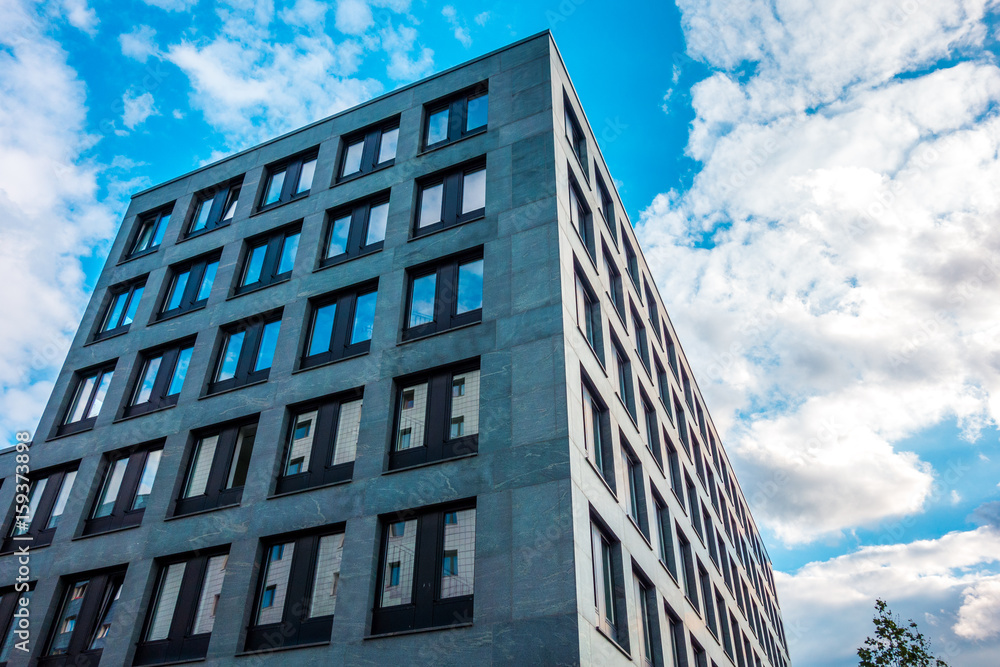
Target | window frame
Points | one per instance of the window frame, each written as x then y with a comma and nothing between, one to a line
438,445
179,645
274,241
222,197
95,604
452,181
345,314
216,495
371,140
292,167
631,264
295,628
196,268
244,374
169,356
612,621
649,653
458,107
39,533
652,428
665,551
592,327
122,515
584,216
641,340
636,508
447,272
360,214
602,458
10,603
625,380
607,207
578,144
426,609
129,289
616,291
80,378
324,444
158,219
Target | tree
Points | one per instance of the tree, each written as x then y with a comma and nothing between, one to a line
896,645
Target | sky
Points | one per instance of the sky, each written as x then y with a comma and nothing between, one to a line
816,187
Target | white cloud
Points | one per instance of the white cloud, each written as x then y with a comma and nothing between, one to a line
306,14
51,216
172,5
139,44
137,108
979,617
81,16
458,26
398,44
353,17
482,18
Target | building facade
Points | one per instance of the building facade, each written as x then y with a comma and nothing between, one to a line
395,388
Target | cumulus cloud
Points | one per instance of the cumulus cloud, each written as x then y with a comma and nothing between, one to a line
49,208
459,29
305,14
81,16
137,108
979,617
172,5
399,43
354,17
139,44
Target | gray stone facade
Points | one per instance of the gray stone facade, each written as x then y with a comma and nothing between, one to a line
535,491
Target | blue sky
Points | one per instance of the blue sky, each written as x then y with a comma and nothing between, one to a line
815,185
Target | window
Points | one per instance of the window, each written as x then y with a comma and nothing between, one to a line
437,416
654,313
214,208
341,325
671,353
182,612
451,198
692,498
608,584
119,312
699,462
641,342
607,206
128,481
189,286
665,535
686,383
623,369
596,434
297,592
588,316
161,378
709,534
574,133
579,218
246,352
615,290
217,468
700,657
356,230
368,150
687,568
269,259
631,262
426,569
664,386
646,622
706,599
149,231
86,617
445,295
652,429
10,625
677,649
636,490
322,443
88,397
736,640
681,424
724,621
457,117
46,498
289,180
674,463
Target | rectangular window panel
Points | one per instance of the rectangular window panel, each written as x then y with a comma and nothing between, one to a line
277,570
412,416
327,577
457,574
166,602
208,601
400,552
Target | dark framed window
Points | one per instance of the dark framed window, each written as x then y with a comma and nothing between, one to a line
119,310
288,180
580,218
45,497
663,384
149,230
615,290
623,372
451,198
297,591
456,117
445,295
88,397
631,262
609,584
86,617
14,599
160,379
724,622
181,614
699,462
654,311
706,599
607,206
641,341
671,352
356,229
636,500
437,416
674,464
700,657
214,208
365,151
269,259
676,647
217,468
189,286
426,568
681,424
652,429
340,325
647,621
692,499
574,133
597,433
736,640
687,568
322,442
686,384
128,481
588,315
665,535
246,352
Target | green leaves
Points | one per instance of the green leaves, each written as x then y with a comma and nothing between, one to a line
896,645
